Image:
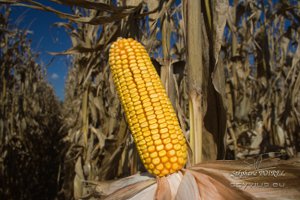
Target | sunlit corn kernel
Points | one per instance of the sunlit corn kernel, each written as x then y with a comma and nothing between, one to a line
171,153
180,137
140,83
182,142
151,92
142,66
151,149
131,86
156,137
135,126
183,148
153,126
147,138
161,121
130,53
148,160
138,107
144,72
122,52
173,136
166,140
142,61
151,112
171,131
150,88
146,133
163,130
150,143
138,131
153,96
156,104
149,84
131,57
162,153
145,98
144,124
121,80
155,171
126,72
146,75
136,98
139,138
163,125
137,78
168,165
177,147
175,166
128,100
153,154
148,108
173,159
179,153
152,121
158,112
148,79
160,116
157,108
134,121
154,131
171,126
141,142
143,147
175,141
141,90
150,117
156,160
153,100
158,142
151,166
147,104
123,57
169,146
181,161
118,63
164,159
159,167
143,93
138,112
145,150
138,55
159,145
126,96
132,62
164,172
141,120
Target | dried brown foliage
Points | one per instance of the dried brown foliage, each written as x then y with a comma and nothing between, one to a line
29,120
261,59
237,89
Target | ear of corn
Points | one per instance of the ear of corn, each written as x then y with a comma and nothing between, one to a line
151,117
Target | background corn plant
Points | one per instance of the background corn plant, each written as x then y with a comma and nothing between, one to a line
261,60
230,69
29,120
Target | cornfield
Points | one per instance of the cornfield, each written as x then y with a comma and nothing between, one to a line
29,120
230,68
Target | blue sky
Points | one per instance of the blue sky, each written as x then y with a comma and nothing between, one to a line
46,38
